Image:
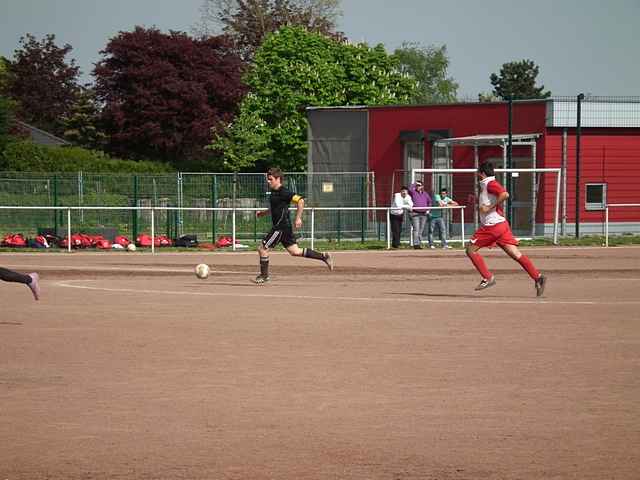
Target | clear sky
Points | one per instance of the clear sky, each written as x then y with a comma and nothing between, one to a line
588,46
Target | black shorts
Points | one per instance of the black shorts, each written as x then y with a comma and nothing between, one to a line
281,235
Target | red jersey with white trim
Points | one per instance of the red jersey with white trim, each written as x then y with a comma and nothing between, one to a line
490,190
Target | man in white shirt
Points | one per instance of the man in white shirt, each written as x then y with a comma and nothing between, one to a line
401,203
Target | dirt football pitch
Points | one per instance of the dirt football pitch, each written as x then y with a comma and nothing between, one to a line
390,367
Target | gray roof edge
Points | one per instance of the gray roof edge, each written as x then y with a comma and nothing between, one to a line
42,132
552,99
421,105
345,107
488,139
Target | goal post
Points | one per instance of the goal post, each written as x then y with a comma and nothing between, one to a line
606,217
511,171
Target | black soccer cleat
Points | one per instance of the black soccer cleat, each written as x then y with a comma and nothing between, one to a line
540,284
486,283
261,279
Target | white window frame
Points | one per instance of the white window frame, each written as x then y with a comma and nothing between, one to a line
411,162
593,206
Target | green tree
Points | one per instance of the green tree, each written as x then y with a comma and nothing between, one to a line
6,118
428,65
4,71
26,156
248,22
295,69
518,80
487,97
81,126
246,142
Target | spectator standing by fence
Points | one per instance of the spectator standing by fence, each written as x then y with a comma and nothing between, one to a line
420,212
438,216
401,203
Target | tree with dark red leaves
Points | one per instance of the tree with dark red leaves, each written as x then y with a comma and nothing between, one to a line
163,93
248,22
42,83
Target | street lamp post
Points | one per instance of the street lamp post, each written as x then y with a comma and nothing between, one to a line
578,133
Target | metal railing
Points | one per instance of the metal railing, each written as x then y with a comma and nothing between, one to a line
310,210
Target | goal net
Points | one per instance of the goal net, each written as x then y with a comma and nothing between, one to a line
530,190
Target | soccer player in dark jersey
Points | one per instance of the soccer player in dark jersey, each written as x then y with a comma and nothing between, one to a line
32,280
279,199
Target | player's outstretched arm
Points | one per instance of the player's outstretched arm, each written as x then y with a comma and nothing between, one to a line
262,213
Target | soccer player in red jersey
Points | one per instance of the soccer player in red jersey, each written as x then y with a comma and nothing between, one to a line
495,230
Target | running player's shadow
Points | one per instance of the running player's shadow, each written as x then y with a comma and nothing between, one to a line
446,295
222,284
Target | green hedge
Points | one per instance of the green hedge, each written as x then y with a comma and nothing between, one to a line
26,156
6,114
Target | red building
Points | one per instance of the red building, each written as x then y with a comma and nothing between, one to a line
391,141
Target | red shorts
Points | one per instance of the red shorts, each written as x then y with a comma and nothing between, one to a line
490,235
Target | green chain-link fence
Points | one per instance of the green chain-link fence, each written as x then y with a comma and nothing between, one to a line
186,190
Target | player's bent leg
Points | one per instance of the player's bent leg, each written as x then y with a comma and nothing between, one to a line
295,251
524,261
487,278
31,280
15,277
313,254
528,266
512,250
271,239
263,276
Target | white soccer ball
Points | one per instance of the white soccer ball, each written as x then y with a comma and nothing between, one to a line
202,271
131,247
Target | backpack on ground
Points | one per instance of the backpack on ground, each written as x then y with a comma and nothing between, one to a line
103,244
162,241
121,240
187,241
14,240
143,240
224,242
